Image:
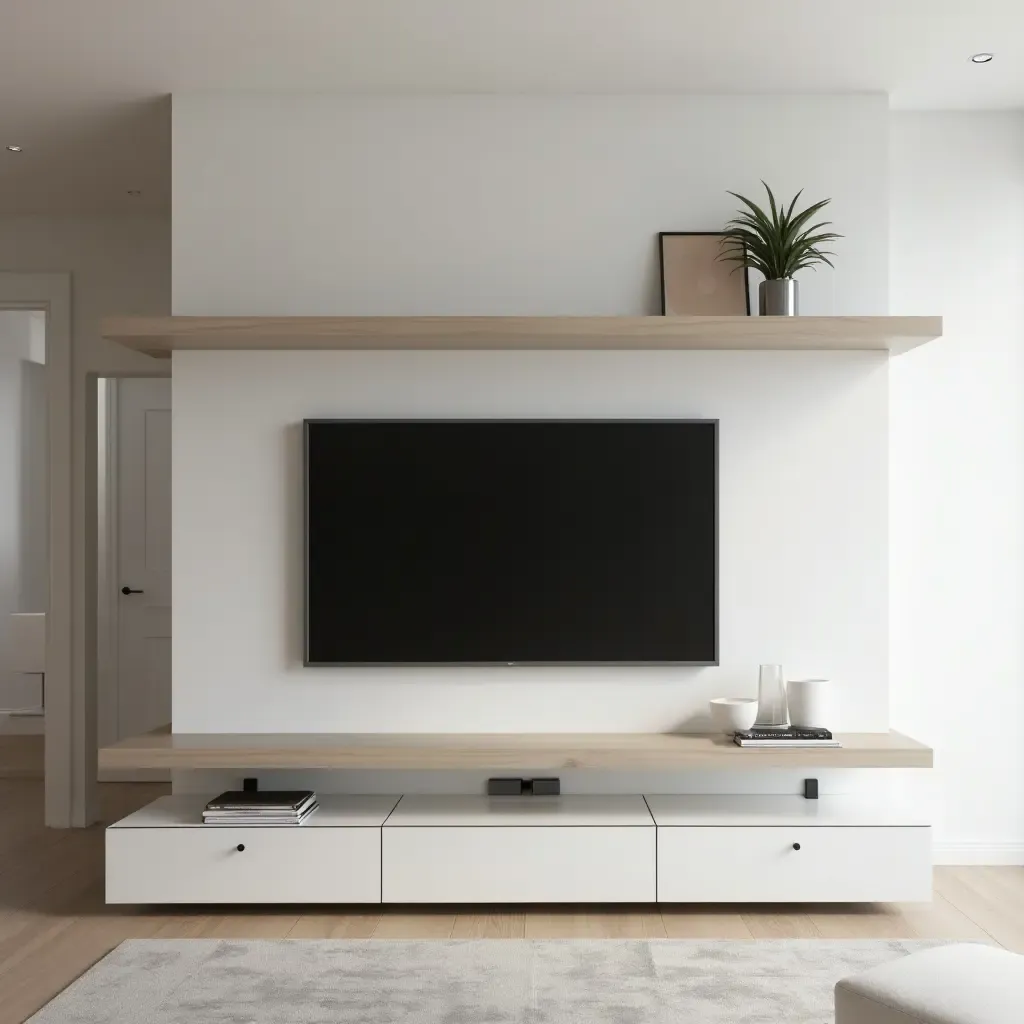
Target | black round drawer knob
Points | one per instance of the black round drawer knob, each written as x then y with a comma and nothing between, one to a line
796,846
240,847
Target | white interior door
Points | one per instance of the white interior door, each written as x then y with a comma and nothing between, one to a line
143,578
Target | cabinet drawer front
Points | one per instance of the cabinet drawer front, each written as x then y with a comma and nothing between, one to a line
761,865
519,865
278,865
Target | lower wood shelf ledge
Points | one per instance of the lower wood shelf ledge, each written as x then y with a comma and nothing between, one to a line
499,751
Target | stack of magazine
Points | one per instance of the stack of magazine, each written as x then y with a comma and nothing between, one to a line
792,736
261,807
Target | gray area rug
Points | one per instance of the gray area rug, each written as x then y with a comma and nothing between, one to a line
193,981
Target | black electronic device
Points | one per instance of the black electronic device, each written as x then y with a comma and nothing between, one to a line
504,787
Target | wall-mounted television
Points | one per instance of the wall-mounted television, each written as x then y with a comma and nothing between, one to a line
511,542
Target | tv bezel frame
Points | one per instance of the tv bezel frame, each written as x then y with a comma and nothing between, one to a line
323,420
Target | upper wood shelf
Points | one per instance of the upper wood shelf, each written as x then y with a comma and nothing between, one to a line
159,336
492,751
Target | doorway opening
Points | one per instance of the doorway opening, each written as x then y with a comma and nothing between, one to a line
134,561
24,540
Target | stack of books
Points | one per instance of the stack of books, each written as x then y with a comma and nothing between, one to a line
793,736
261,807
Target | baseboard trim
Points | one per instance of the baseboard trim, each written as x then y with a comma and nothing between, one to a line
979,853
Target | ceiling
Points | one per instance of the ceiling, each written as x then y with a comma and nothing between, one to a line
85,82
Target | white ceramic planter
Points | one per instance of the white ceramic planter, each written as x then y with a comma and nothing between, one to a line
811,703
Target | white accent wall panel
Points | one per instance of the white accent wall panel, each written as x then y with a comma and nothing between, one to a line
803,520
321,204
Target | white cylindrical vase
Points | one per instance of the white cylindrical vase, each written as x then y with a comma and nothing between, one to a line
811,703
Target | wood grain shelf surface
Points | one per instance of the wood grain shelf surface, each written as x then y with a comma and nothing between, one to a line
160,336
494,751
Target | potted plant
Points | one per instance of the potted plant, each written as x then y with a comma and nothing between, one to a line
778,245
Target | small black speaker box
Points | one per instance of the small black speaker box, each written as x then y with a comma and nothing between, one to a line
547,787
504,787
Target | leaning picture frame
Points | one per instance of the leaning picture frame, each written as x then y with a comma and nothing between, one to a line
695,282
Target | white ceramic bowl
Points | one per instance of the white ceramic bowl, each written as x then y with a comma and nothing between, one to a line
733,714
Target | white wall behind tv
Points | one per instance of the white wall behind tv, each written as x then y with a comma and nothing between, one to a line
487,204
803,562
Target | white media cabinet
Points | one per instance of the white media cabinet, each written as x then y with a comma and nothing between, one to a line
523,849
567,849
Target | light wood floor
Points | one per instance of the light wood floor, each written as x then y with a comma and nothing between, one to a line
54,924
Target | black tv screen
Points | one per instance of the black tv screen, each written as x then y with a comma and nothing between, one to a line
511,542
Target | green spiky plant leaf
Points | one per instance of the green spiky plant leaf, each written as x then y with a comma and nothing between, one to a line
779,242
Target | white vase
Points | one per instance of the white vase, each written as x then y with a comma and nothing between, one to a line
810,703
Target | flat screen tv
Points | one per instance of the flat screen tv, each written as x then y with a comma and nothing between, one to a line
511,542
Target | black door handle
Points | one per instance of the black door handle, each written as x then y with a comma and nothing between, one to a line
240,847
796,846
128,590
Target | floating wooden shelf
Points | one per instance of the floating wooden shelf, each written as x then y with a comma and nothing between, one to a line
159,336
495,751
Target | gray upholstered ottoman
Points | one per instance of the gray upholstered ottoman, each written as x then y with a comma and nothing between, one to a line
946,985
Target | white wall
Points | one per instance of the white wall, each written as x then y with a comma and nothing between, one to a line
517,205
319,204
803,534
23,501
957,454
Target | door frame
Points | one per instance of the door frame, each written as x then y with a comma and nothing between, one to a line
108,608
67,712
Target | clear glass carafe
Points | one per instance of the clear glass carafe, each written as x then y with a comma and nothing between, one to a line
772,709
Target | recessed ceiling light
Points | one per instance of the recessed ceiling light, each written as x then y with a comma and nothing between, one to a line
14,149
981,58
